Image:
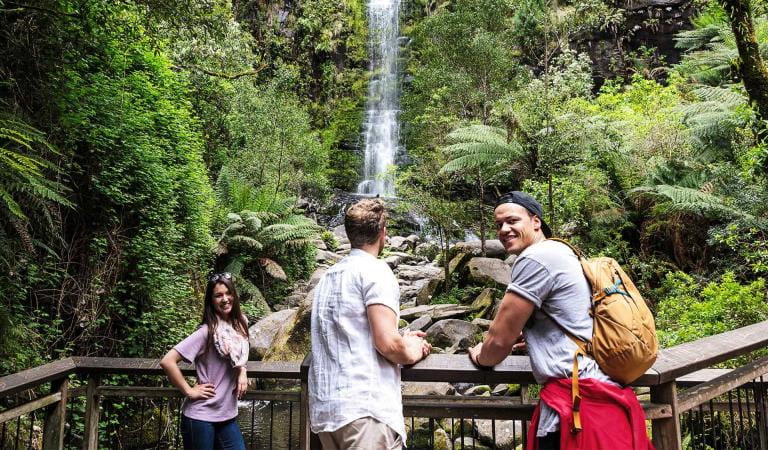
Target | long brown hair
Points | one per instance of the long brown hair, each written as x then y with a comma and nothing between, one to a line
236,318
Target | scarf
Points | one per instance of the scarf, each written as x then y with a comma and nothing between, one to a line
230,344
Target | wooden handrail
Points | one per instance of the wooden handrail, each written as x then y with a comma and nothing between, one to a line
707,391
689,357
146,366
27,379
671,364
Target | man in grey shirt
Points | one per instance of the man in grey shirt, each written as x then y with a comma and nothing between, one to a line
547,283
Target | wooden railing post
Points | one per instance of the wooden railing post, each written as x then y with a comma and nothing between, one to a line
666,432
308,440
92,407
56,417
304,437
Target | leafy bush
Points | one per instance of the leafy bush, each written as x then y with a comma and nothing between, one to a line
457,296
689,310
330,240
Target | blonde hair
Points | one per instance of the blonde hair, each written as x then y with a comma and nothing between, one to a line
364,221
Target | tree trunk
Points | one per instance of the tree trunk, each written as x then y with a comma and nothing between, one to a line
551,199
445,247
481,212
751,68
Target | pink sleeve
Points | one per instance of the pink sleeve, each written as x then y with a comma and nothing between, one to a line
193,345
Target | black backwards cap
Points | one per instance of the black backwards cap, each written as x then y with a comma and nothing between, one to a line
529,203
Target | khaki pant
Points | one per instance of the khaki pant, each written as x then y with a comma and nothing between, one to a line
362,434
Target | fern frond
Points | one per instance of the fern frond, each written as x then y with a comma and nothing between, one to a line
244,242
478,133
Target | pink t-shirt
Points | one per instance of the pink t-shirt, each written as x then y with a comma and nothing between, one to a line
211,368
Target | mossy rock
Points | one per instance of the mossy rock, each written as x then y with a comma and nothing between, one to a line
434,287
458,263
292,342
483,304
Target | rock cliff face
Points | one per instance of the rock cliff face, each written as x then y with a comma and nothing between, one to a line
648,23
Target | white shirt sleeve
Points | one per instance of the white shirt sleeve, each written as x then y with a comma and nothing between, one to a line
381,288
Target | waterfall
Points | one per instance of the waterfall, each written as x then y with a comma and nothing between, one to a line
381,128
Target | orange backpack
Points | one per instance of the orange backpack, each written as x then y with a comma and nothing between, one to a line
624,342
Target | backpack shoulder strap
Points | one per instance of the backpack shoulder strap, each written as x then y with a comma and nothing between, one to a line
579,253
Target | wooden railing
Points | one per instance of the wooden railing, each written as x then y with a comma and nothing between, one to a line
679,382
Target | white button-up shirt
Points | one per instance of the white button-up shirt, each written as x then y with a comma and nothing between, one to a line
348,378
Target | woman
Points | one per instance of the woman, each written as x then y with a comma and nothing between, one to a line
219,349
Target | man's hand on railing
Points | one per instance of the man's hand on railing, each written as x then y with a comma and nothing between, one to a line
201,391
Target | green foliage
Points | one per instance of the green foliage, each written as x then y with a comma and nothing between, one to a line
743,249
457,296
330,240
27,176
690,310
263,242
273,145
585,211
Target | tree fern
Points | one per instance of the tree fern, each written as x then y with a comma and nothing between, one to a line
478,133
479,147
26,176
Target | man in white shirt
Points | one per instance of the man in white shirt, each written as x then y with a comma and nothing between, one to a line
354,378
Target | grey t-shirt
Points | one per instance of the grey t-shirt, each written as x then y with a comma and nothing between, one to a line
549,275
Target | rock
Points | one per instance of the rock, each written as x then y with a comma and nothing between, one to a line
326,256
293,300
291,343
420,324
428,250
482,389
315,278
489,271
263,332
493,248
418,272
419,388
393,261
510,260
408,258
408,293
508,433
320,244
469,442
483,303
413,240
505,389
499,390
458,262
454,333
483,324
440,440
432,288
344,247
436,312
399,243
406,305
341,234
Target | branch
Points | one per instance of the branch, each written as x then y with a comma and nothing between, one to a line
228,76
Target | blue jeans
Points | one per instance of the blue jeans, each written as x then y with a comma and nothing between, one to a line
202,435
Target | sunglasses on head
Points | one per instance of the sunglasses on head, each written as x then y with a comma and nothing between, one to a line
220,276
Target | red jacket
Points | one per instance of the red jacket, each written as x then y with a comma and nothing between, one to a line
611,417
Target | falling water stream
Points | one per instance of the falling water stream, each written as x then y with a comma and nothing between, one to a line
262,424
381,128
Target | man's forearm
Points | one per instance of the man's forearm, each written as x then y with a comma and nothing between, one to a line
494,351
399,351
